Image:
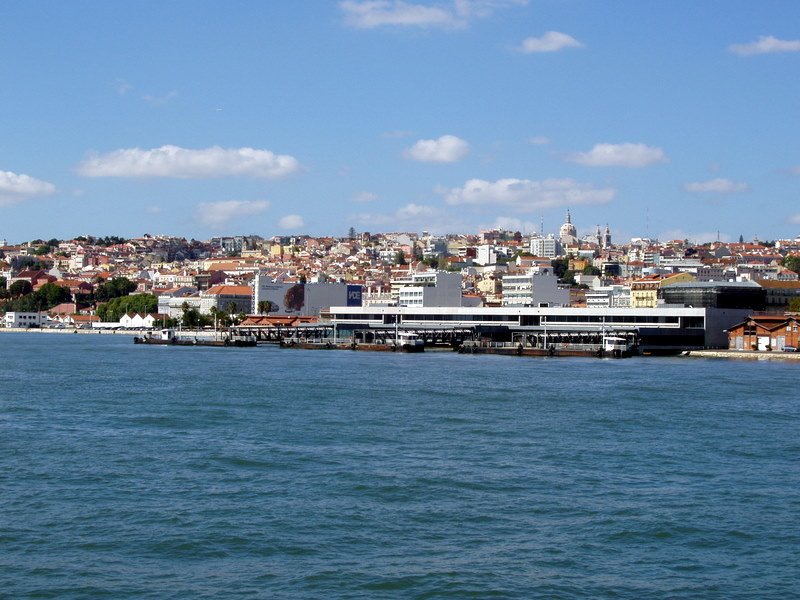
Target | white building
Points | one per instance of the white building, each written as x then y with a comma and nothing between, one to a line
547,247
535,288
25,319
429,288
486,255
611,296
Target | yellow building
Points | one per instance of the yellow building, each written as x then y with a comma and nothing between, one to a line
644,292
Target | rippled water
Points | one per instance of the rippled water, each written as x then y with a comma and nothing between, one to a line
136,472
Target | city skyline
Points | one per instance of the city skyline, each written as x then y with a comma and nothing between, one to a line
452,116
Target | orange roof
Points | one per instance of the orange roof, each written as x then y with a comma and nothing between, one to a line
229,290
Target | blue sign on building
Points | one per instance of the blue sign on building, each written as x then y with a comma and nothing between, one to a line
354,295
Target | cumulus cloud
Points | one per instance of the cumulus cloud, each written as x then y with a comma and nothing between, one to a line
291,222
369,14
364,197
619,155
717,186
551,41
16,188
446,149
215,214
173,161
765,44
122,86
525,195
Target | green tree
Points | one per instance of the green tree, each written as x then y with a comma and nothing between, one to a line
116,307
400,258
3,283
352,233
263,306
51,294
792,263
560,266
118,286
20,288
794,305
590,270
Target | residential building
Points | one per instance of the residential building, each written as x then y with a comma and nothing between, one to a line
428,288
535,288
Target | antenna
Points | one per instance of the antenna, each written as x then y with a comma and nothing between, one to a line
541,225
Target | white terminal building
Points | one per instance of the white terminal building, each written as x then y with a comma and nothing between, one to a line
429,288
534,288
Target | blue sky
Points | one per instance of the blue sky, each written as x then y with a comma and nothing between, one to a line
198,118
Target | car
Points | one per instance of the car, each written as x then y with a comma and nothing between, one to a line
789,349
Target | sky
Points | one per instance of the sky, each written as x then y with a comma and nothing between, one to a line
667,120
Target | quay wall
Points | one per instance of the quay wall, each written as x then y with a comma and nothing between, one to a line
745,355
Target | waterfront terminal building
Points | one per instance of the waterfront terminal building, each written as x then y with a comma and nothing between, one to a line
666,329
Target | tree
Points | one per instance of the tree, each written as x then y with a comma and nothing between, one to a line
20,288
51,294
400,258
560,266
116,307
263,306
741,239
352,233
792,263
591,270
3,283
794,305
118,286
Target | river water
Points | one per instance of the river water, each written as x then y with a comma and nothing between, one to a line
155,472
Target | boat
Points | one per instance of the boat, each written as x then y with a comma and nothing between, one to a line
169,337
410,342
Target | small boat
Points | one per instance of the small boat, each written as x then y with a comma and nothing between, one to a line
169,337
410,342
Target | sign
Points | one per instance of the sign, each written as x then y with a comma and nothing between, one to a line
353,295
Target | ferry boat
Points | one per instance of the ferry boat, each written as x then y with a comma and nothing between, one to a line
169,337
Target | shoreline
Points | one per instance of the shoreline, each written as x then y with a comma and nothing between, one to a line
719,354
744,355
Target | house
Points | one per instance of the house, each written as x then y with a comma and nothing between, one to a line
644,291
764,333
137,321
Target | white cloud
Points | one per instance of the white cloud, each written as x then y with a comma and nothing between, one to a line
795,219
717,186
173,161
619,155
291,222
765,44
411,217
122,86
525,195
539,140
16,188
446,149
364,197
794,171
369,14
551,41
215,214
160,100
153,210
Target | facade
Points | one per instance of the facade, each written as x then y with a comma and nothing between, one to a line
429,288
612,296
779,293
715,294
533,289
547,247
645,291
658,329
303,299
25,319
224,297
764,333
